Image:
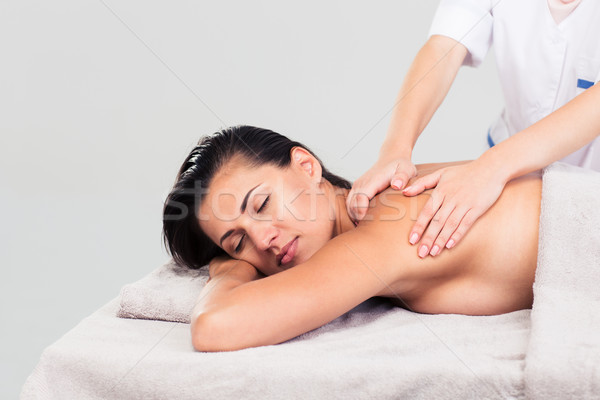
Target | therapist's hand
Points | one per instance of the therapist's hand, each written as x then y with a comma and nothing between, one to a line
462,194
394,172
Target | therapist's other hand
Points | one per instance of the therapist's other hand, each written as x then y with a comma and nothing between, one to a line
462,194
394,172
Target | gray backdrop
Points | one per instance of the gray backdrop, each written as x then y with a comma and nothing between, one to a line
100,101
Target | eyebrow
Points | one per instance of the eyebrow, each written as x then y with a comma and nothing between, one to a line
242,210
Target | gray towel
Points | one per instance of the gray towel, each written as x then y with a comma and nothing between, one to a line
166,294
563,356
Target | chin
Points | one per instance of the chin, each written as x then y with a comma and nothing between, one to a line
304,257
303,254
293,263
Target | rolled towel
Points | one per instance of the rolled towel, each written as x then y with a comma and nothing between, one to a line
563,356
168,294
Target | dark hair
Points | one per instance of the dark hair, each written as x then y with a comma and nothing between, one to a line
182,235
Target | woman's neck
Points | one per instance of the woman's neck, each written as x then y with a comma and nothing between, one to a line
342,222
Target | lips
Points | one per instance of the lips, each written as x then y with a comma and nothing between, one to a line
288,252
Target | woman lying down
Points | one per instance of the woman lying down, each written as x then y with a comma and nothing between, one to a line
285,257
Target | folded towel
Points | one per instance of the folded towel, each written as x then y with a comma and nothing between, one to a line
167,294
563,356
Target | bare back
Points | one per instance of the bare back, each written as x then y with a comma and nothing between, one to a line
491,271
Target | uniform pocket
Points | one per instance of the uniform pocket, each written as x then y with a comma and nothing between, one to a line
588,72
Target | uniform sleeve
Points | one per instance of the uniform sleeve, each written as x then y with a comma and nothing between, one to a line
469,22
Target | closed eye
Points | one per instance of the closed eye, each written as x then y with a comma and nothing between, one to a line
264,204
240,244
238,248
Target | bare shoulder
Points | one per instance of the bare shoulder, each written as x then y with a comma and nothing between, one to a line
391,214
393,206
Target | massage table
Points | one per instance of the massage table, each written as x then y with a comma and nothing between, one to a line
138,346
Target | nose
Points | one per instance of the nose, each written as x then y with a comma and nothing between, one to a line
262,234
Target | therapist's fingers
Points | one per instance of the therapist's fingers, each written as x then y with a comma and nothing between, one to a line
380,176
465,224
425,216
427,245
426,182
358,199
363,190
404,172
399,180
445,239
357,204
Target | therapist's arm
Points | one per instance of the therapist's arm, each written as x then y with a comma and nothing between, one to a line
559,134
463,193
425,86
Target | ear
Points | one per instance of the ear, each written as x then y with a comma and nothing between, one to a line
306,162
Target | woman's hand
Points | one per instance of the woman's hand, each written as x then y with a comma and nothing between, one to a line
462,194
227,265
395,172
216,264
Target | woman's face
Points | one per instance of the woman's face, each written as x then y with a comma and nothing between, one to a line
274,218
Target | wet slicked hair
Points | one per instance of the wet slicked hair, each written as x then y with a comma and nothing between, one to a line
182,235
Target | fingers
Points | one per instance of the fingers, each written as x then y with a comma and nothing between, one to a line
462,195
357,204
423,220
397,171
456,224
361,193
399,181
402,176
446,238
465,224
443,239
426,182
427,245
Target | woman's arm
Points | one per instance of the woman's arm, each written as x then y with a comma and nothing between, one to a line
238,310
225,273
466,192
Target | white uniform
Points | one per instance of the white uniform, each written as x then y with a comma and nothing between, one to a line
542,65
